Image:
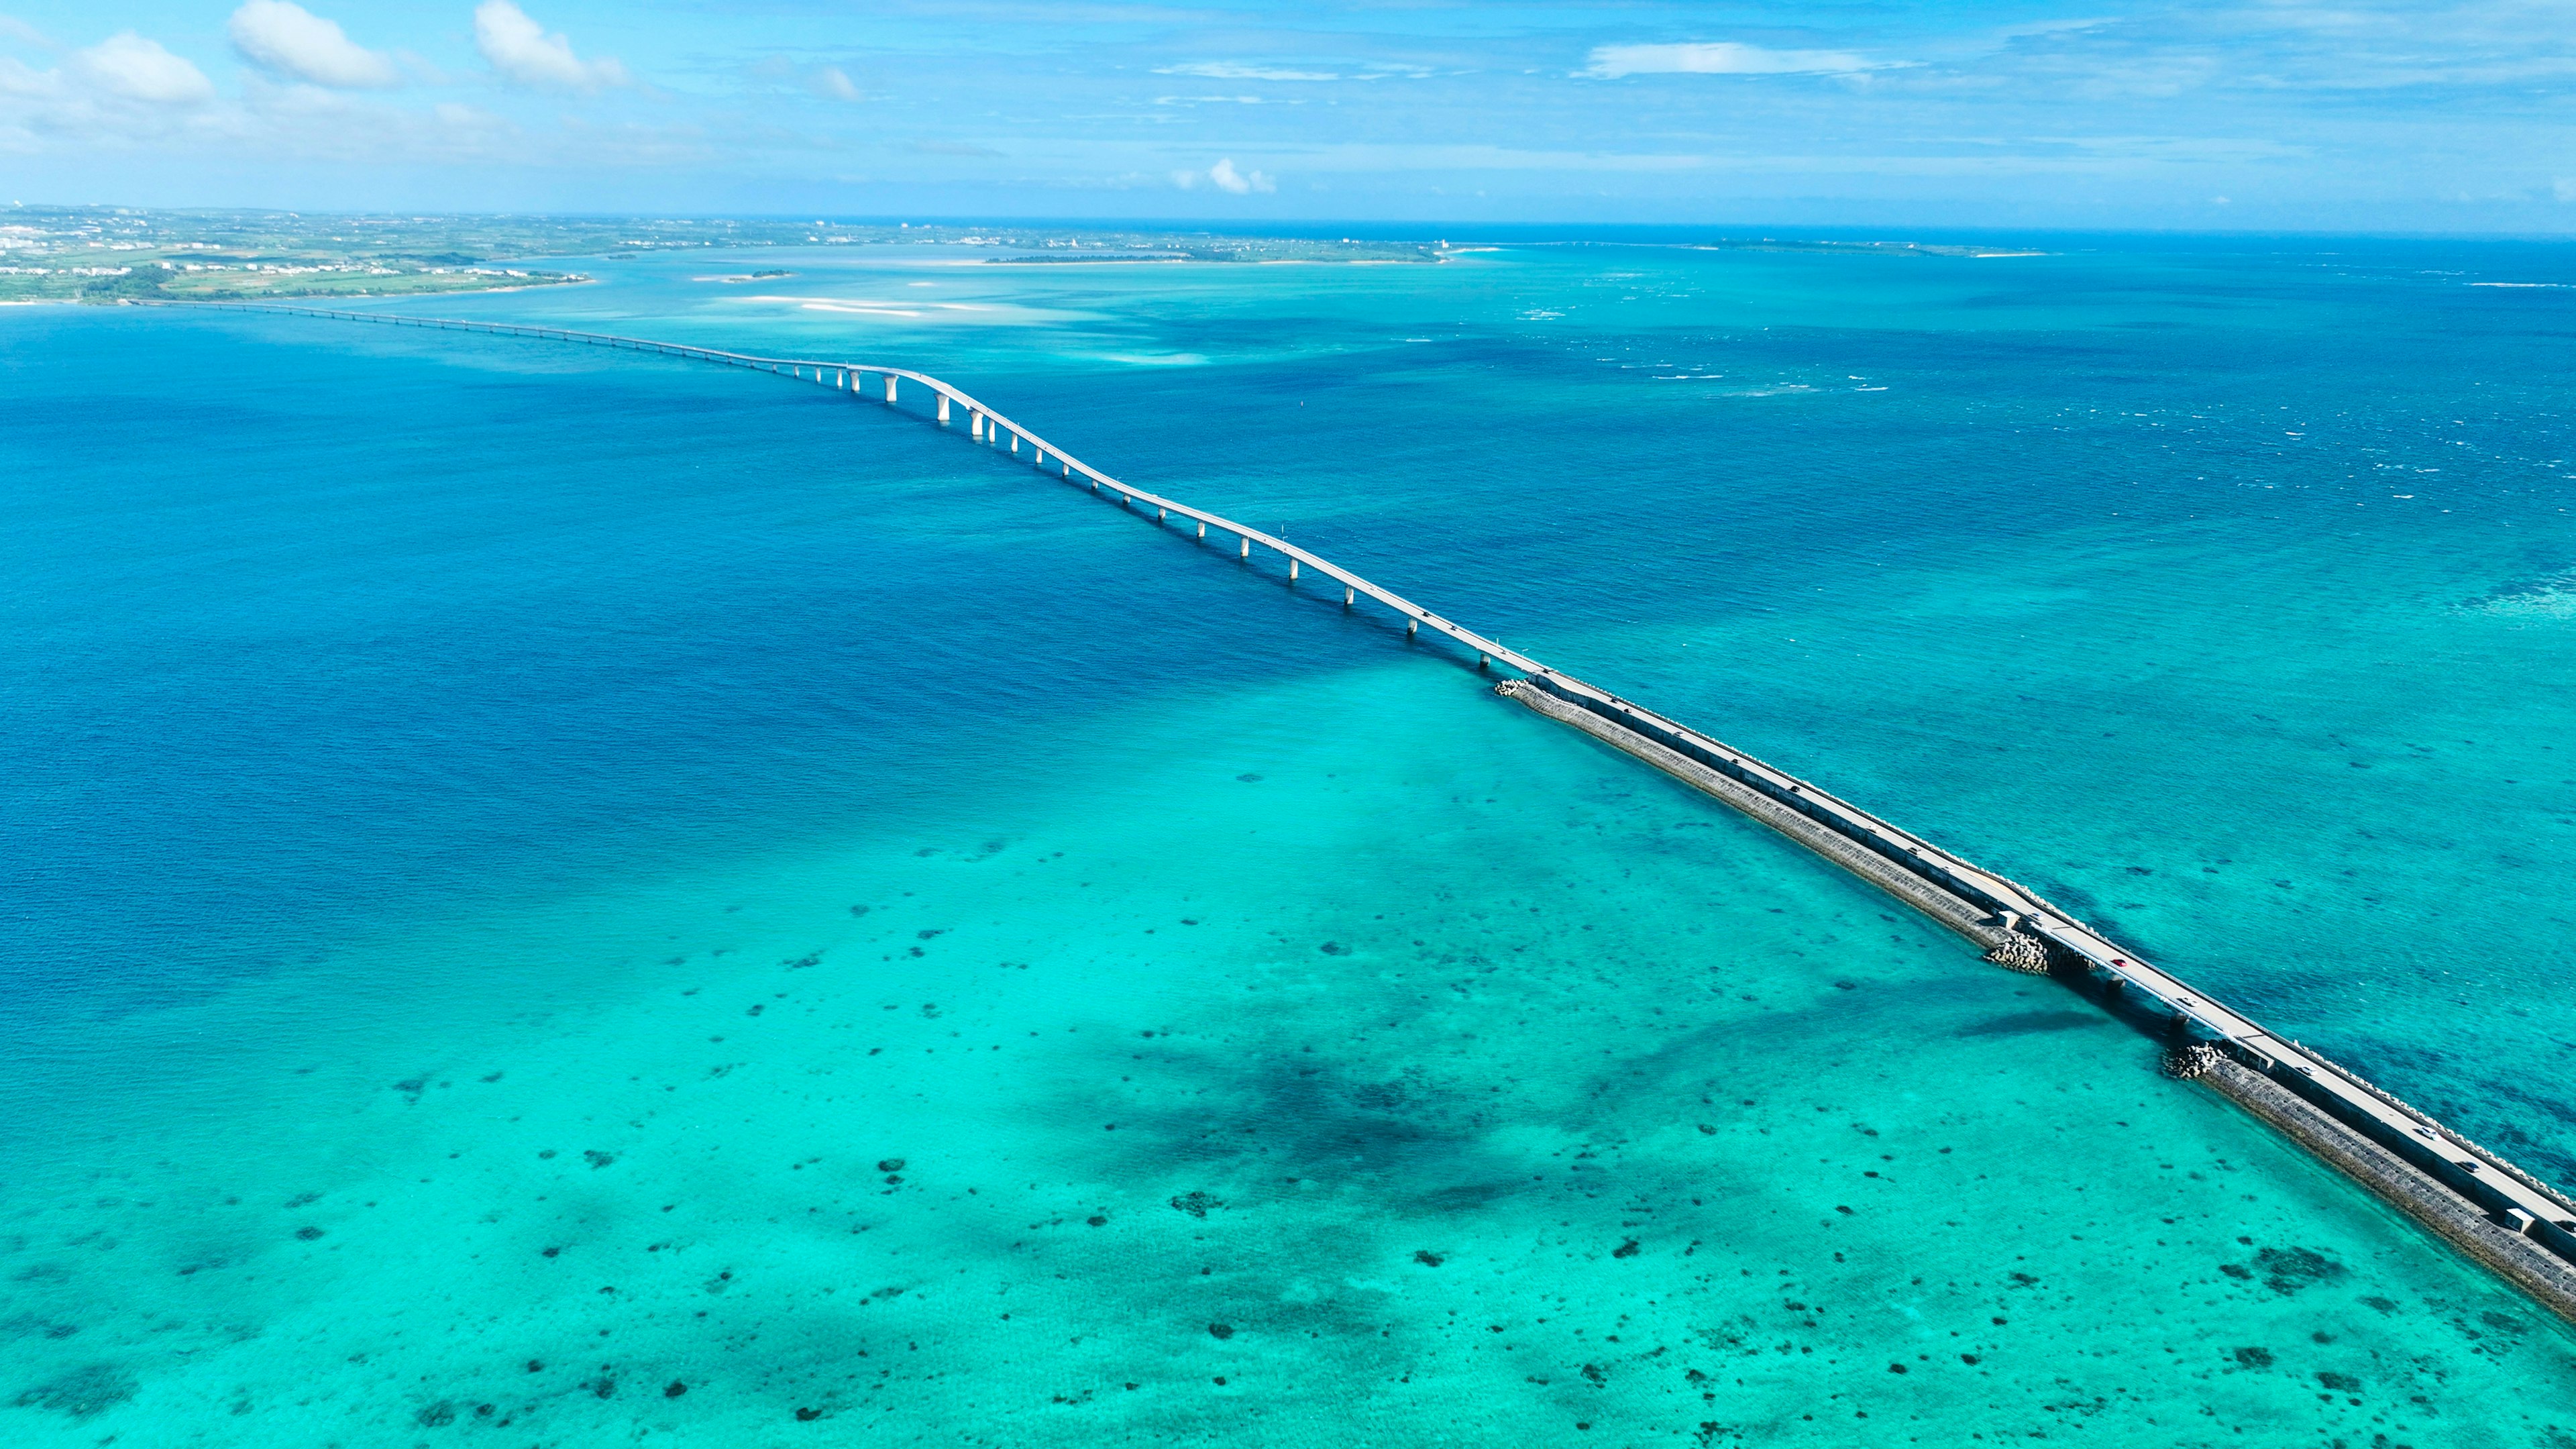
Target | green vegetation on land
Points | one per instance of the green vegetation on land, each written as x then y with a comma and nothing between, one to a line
112,254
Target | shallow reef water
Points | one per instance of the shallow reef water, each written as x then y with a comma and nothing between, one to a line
570,897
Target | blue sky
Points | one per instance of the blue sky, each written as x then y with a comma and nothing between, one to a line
2362,115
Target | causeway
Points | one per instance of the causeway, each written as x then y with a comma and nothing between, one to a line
2479,1201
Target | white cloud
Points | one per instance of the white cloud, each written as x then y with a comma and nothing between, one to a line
833,84
132,68
1228,70
1224,177
520,50
1726,57
293,41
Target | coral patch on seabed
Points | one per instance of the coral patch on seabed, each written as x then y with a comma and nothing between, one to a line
616,899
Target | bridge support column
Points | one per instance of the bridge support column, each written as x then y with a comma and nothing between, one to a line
1247,549
1348,594
1412,627
1015,442
1202,530
889,387
943,404
1041,457
1292,571
1483,663
1160,514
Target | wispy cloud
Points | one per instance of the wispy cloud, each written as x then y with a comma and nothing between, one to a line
520,50
2060,108
292,41
1726,57
1229,70
827,81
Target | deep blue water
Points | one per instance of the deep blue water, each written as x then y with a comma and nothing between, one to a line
384,696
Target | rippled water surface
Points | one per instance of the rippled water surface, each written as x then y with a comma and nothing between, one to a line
557,895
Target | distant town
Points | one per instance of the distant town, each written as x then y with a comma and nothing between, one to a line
113,254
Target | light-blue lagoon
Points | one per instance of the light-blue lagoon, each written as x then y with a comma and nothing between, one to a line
560,895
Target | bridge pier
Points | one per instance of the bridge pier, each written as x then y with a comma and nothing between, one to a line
1161,514
1203,529
2322,1107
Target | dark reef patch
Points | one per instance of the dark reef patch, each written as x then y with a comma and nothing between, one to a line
2287,1270
2027,1023
82,1393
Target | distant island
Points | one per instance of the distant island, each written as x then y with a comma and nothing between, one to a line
117,254
121,254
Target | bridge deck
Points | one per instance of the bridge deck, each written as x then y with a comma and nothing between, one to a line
2480,1176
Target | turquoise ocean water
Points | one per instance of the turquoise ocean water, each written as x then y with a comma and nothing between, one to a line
558,897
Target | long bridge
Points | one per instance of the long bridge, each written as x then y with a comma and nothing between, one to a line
2483,1203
